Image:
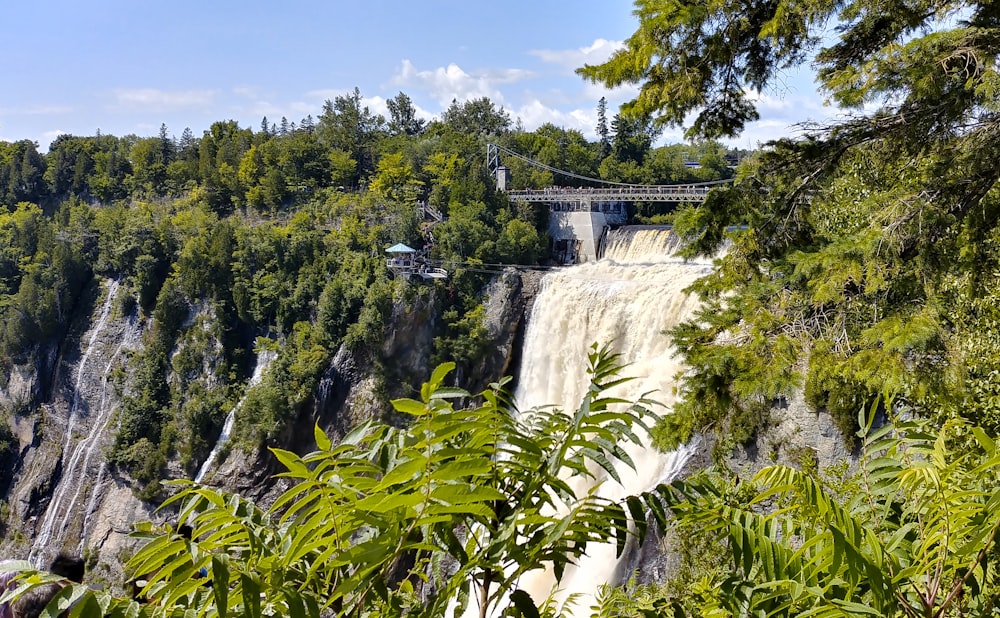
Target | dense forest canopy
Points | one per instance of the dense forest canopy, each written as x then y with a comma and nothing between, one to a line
861,265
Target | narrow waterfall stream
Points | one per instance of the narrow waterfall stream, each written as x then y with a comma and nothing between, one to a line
77,398
627,299
95,443
91,408
263,360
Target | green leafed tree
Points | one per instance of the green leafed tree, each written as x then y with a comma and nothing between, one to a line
860,257
348,125
476,117
403,118
395,179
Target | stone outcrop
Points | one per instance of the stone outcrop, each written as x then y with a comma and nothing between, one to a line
795,435
359,382
61,487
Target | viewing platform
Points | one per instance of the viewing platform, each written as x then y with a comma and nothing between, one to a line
407,262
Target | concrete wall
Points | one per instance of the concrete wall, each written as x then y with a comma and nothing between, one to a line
585,228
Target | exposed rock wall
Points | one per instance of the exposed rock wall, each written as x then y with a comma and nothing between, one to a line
67,407
507,301
61,486
19,389
359,383
795,435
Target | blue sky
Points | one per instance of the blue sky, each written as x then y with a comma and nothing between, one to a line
123,66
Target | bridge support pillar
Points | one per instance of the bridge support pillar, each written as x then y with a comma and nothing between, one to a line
577,235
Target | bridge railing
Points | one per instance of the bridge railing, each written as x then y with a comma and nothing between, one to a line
426,211
665,193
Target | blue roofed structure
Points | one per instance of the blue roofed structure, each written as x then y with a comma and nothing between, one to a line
407,262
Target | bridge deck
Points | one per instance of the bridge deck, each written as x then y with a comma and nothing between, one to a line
652,193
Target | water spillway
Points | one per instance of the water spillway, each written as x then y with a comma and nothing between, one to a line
628,299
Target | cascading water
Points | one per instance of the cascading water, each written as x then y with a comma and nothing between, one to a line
263,360
96,440
628,299
96,404
102,322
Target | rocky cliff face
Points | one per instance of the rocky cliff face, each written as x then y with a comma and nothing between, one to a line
507,301
795,435
63,494
62,491
359,383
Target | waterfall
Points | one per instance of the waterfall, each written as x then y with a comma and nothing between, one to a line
627,299
96,441
92,400
263,360
639,244
95,332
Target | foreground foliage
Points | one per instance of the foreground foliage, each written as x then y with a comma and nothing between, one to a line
913,533
420,522
864,256
449,512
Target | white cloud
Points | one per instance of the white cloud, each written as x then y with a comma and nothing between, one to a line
760,132
788,104
571,59
449,83
43,139
292,111
328,94
247,92
379,105
259,104
786,114
535,113
153,99
36,110
375,104
47,137
145,128
615,96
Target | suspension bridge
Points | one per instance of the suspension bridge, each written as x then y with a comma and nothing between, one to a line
592,194
580,217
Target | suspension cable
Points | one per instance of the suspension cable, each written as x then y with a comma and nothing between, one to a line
555,170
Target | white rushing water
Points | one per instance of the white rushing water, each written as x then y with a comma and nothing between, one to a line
263,360
628,300
94,444
76,398
96,404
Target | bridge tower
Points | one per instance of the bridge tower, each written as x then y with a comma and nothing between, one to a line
500,173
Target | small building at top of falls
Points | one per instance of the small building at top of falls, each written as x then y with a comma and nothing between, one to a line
579,218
